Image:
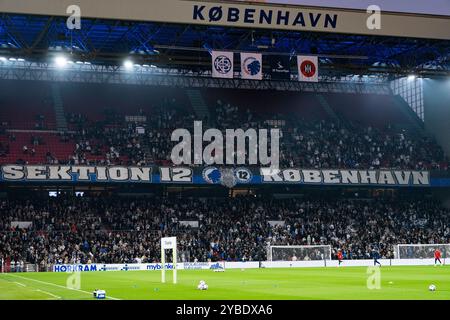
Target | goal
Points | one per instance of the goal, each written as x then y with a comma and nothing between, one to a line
420,251
299,253
168,243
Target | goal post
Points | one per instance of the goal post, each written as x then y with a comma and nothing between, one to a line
168,243
420,251
299,253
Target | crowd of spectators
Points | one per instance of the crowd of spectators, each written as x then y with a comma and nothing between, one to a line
332,145
339,143
125,230
121,139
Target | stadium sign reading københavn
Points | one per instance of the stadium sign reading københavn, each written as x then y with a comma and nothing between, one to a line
213,175
264,16
244,14
346,177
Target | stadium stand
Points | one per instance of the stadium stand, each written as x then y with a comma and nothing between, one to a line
225,150
31,111
123,230
102,128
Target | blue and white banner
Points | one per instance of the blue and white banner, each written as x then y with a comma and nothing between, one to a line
308,68
139,266
251,66
222,64
111,267
221,266
227,176
203,265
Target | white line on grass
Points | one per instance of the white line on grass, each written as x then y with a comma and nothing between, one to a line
57,285
50,294
20,284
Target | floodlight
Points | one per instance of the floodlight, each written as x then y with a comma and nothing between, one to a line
60,61
128,64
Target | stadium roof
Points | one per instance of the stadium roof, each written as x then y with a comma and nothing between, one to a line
188,46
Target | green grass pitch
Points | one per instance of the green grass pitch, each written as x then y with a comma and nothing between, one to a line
268,284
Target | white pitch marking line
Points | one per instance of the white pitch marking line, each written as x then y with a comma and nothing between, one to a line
50,294
57,285
20,284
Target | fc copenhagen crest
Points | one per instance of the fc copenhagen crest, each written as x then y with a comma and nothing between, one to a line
211,175
252,66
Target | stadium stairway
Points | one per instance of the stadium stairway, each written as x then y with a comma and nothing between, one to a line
325,105
198,105
58,106
416,124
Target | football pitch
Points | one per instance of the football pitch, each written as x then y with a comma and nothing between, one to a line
234,284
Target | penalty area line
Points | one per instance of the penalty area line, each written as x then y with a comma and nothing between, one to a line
59,286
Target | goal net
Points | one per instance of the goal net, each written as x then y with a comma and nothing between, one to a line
299,253
420,251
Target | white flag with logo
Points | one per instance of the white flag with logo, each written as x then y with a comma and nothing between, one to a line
251,66
308,68
222,64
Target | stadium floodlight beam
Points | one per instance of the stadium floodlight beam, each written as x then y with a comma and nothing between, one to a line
3,59
411,77
61,61
128,64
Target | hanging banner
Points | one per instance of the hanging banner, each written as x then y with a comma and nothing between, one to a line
280,67
222,64
218,175
308,68
251,66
